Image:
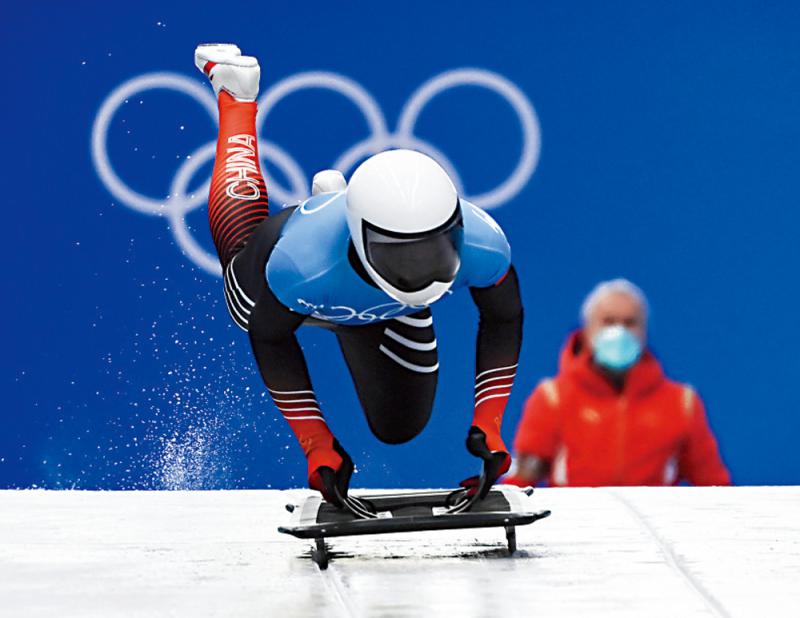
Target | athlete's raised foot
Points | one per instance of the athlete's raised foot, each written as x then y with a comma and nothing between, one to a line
228,70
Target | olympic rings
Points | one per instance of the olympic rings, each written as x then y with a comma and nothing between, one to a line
179,201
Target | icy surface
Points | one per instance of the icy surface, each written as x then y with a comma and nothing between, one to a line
620,552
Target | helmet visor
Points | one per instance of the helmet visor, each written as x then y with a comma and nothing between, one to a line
412,262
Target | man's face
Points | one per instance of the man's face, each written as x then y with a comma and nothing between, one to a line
614,309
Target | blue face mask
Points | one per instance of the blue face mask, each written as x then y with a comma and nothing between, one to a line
616,348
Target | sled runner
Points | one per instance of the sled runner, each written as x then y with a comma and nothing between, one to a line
504,506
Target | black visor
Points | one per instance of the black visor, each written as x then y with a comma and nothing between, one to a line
412,262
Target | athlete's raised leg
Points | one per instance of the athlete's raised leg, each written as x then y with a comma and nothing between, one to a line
238,198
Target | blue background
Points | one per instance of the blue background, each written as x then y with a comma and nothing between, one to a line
670,149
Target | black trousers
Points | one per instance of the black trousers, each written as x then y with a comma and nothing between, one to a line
395,368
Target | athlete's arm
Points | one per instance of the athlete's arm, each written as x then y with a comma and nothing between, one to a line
498,346
283,368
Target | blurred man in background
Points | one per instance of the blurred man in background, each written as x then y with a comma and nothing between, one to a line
611,416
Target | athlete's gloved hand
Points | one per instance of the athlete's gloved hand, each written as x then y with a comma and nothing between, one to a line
228,70
489,446
329,470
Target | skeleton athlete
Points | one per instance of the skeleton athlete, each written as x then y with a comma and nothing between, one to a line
366,260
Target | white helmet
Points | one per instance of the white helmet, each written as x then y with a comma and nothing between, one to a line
405,222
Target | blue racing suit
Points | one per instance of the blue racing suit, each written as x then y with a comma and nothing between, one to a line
310,273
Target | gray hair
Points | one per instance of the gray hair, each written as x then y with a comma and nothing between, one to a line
615,286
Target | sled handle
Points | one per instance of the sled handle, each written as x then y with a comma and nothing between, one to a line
358,508
489,471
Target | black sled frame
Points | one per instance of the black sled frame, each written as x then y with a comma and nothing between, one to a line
504,506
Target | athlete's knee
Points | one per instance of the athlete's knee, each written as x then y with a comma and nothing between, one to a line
397,427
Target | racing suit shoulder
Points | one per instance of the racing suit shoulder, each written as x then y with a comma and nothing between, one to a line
286,279
312,243
486,254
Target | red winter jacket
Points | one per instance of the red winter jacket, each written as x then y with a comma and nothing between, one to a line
653,432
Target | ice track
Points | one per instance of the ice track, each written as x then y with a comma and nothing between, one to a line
615,552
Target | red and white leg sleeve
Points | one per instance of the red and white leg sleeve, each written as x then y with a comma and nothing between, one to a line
238,199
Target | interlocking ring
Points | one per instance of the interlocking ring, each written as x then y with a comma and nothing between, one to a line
179,201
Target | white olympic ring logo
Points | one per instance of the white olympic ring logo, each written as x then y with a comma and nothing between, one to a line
180,202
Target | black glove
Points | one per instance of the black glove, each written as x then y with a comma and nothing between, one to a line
495,464
333,484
